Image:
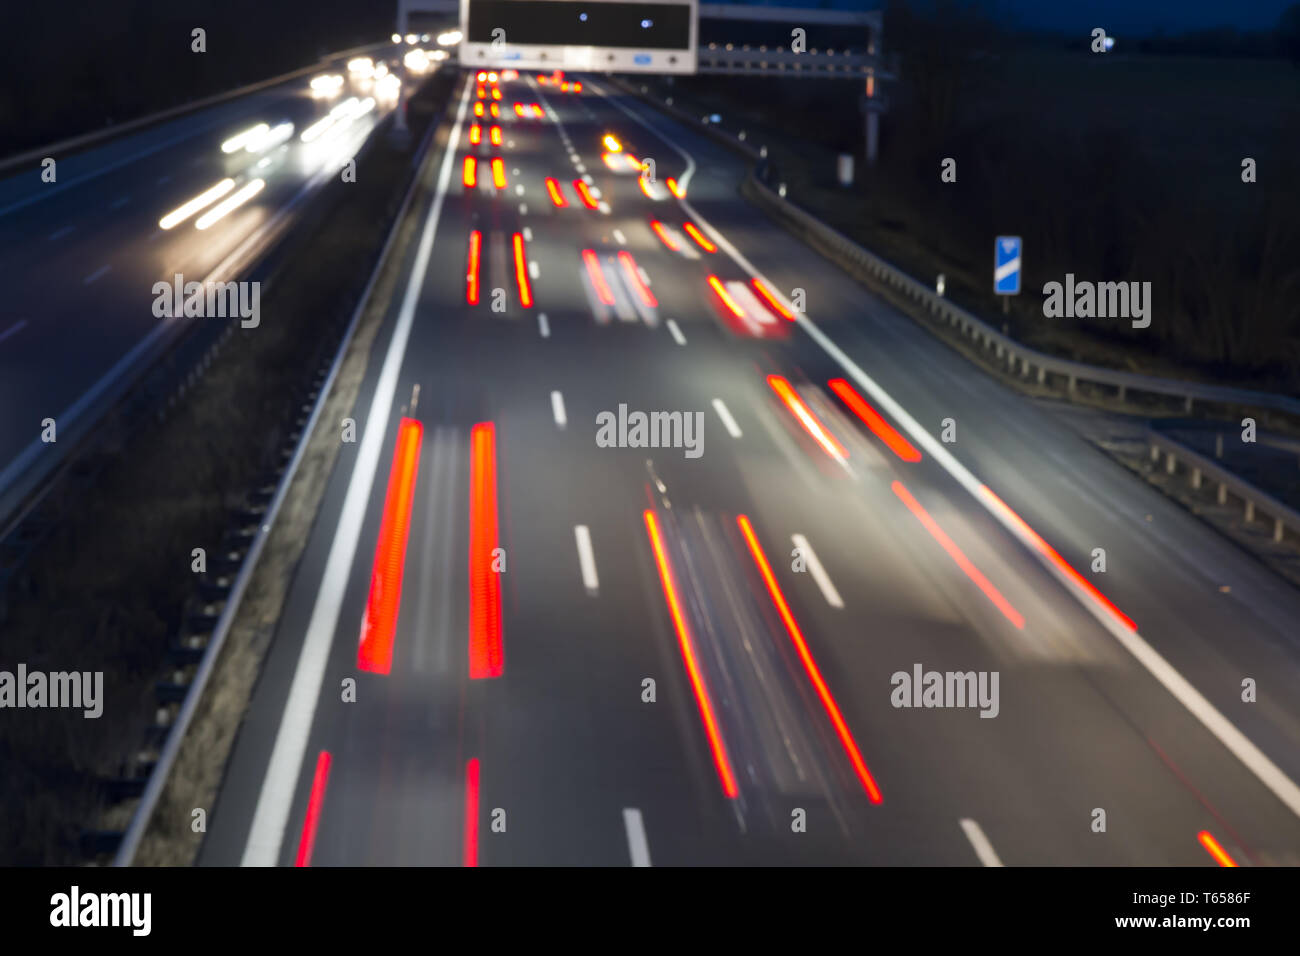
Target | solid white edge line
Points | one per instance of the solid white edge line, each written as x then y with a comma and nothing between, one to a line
732,428
275,801
557,409
586,558
1254,759
980,843
637,846
675,332
818,572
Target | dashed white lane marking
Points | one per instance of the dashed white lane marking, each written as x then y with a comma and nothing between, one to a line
96,275
1242,747
523,209
543,325
528,233
983,848
586,559
557,408
619,237
732,428
637,846
532,269
519,189
818,572
675,332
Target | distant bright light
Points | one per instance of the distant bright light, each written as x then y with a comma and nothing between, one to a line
417,61
229,204
272,137
612,144
412,39
1110,43
450,38
582,17
397,38
242,139
205,198
647,24
327,84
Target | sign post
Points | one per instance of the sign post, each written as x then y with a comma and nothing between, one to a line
1006,268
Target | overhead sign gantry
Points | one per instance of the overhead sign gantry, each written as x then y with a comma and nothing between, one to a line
581,35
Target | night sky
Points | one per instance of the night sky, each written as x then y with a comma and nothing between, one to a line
1117,16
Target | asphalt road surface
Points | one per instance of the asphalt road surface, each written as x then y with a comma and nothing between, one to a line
83,252
503,710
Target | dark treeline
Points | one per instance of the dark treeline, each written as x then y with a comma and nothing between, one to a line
1115,169
68,68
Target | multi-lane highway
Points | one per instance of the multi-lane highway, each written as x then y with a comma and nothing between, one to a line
508,643
87,239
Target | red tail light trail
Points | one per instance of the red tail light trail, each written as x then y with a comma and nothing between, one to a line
471,271
959,558
716,285
498,173
687,645
475,134
521,271
379,625
470,851
553,190
663,235
634,277
597,276
1053,556
810,666
772,299
486,650
675,188
811,424
1213,848
315,803
886,432
495,135
469,172
700,239
584,194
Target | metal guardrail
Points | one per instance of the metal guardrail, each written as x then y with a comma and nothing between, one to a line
85,140
162,769
1199,468
1018,359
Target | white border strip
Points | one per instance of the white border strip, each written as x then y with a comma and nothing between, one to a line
275,801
